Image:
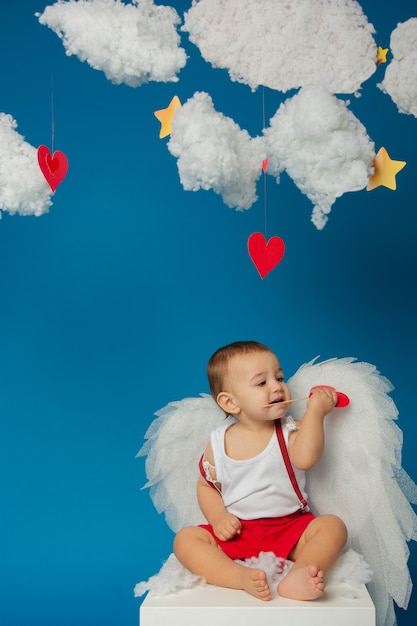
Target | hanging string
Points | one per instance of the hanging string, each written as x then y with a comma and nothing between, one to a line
52,114
264,168
53,165
51,56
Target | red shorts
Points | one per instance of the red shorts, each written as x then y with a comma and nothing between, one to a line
274,534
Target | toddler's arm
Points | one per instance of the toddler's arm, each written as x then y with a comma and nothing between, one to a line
306,444
225,525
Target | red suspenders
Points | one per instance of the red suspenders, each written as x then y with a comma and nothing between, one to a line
289,467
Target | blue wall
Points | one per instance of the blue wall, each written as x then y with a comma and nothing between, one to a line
111,304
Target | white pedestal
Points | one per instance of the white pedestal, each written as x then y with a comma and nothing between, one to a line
215,606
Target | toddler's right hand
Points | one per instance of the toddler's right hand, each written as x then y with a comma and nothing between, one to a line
322,399
227,526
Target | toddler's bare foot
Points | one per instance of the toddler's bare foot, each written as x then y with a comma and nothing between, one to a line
302,583
255,582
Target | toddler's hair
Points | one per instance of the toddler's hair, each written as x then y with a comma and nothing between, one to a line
218,363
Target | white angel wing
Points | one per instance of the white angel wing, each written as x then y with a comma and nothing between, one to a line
360,477
175,442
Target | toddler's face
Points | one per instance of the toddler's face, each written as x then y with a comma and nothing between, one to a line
255,380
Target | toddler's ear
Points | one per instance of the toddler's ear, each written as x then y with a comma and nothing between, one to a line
226,402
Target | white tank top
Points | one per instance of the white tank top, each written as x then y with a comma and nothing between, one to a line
257,487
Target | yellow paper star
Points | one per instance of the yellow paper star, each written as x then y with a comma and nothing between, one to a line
165,116
385,171
382,55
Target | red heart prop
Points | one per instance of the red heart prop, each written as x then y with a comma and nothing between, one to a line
342,399
54,167
265,256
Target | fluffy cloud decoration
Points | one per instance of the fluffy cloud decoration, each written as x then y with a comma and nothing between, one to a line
400,81
23,188
284,44
214,153
318,47
130,44
322,146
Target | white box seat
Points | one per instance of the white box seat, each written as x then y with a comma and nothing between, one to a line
216,606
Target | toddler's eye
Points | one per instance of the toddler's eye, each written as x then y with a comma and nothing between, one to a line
260,384
280,379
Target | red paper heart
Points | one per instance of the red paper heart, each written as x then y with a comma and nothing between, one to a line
54,167
342,399
265,256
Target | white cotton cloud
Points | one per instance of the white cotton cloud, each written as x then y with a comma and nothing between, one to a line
286,44
400,80
322,146
214,153
23,188
130,43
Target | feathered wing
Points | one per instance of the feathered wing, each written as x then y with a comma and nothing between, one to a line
175,442
360,477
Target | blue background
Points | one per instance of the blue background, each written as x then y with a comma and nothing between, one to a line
111,304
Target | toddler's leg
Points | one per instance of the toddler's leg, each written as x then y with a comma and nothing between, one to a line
197,550
315,553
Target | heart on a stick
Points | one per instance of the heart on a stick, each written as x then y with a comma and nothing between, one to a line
265,255
54,167
342,399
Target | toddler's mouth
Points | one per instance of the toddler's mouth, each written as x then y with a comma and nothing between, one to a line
274,402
